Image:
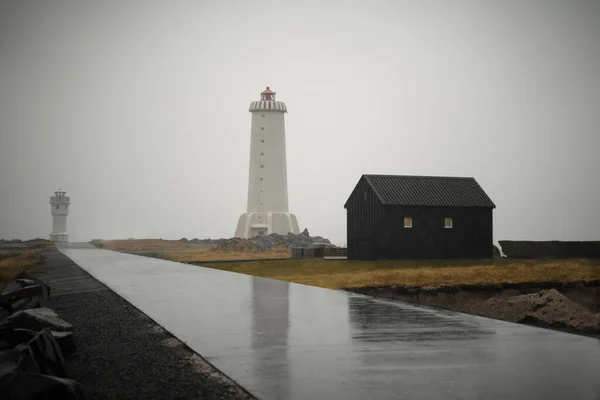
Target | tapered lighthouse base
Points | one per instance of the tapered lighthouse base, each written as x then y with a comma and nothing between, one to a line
59,237
264,223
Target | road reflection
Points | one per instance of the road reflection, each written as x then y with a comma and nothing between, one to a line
377,320
270,332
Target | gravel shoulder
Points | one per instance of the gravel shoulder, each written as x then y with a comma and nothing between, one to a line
121,353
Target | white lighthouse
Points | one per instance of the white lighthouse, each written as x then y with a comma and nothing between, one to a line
59,206
268,210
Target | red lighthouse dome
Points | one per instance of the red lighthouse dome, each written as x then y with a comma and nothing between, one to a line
267,95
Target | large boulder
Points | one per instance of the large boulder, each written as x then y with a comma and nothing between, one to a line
42,354
547,308
25,292
65,340
37,319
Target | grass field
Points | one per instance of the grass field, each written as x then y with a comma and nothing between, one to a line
13,263
212,255
337,274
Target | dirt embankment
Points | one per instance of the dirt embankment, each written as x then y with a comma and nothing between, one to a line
573,307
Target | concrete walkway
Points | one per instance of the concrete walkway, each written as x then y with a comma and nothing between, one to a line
282,340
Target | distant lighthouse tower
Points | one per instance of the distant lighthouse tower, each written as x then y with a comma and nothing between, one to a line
59,204
268,210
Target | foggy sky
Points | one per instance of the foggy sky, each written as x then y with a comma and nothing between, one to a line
139,109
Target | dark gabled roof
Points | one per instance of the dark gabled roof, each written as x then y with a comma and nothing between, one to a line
428,191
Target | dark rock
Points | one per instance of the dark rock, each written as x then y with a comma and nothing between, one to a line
25,292
48,355
37,319
305,232
184,240
20,358
66,340
16,299
30,386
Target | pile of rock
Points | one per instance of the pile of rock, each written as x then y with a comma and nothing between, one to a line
272,241
33,344
545,308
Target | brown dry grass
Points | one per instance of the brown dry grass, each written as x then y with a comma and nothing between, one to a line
337,274
212,255
149,245
13,263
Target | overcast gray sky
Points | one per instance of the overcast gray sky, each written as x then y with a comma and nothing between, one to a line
139,109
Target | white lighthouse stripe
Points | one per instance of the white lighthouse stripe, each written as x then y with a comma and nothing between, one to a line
267,106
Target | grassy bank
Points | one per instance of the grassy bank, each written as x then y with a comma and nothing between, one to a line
12,264
149,245
212,255
337,274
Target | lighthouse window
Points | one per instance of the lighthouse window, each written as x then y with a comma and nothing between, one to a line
261,179
262,141
262,166
262,154
57,206
262,115
262,128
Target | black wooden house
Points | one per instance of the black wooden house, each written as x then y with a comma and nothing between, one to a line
395,216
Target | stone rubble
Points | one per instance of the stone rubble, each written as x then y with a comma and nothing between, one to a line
33,344
269,242
547,308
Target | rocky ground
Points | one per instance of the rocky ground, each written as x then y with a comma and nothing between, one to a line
574,308
545,308
264,243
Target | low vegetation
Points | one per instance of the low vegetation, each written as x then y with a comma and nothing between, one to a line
11,264
337,274
149,245
214,254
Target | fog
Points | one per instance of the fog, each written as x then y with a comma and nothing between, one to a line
139,110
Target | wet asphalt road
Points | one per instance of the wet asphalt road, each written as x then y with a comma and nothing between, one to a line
121,353
287,341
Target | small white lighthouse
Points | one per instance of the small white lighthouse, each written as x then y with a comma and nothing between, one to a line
268,210
59,206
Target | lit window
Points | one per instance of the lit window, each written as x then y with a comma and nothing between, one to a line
261,179
407,222
262,128
262,141
447,222
262,115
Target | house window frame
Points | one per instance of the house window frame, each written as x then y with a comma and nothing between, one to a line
410,222
446,226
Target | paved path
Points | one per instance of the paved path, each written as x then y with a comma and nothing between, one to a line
282,340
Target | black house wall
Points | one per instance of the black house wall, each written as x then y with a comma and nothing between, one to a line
469,237
363,214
